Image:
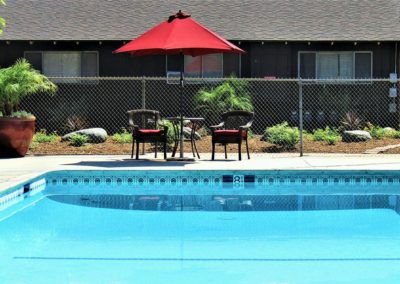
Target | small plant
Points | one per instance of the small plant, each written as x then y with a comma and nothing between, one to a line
283,135
19,81
171,133
376,132
351,121
123,137
78,140
392,134
76,122
22,114
332,139
43,137
329,135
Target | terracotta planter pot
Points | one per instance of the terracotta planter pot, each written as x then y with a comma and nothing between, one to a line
15,136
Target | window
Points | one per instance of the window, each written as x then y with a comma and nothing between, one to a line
65,63
61,64
206,66
335,65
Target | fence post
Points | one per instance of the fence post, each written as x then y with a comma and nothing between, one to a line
301,117
143,93
143,105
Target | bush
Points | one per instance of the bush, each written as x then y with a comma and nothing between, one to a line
329,135
170,134
231,94
392,134
283,135
376,132
332,139
78,140
123,137
351,121
43,137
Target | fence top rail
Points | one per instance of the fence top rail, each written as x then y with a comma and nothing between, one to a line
216,80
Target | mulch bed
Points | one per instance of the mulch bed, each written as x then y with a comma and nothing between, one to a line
204,146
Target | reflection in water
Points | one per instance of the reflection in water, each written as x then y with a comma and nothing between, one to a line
232,202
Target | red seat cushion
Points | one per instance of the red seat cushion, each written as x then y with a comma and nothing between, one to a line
229,132
150,132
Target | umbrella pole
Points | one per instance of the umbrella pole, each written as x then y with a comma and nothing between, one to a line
181,158
181,105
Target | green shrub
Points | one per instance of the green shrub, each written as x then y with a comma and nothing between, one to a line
283,135
171,133
231,94
392,134
332,139
376,132
329,135
123,137
43,137
78,140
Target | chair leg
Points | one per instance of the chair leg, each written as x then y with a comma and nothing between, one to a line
191,142
247,149
137,150
213,151
240,150
226,156
155,152
133,148
175,148
195,148
165,150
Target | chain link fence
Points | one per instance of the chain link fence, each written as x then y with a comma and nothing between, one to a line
303,116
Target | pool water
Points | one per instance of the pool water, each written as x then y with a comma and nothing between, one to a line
47,241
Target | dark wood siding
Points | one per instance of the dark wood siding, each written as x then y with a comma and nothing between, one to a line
271,59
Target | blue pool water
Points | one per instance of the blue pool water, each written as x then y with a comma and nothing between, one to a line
54,239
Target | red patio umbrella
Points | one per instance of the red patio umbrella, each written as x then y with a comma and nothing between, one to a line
180,34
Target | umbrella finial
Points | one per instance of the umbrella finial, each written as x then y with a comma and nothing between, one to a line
180,15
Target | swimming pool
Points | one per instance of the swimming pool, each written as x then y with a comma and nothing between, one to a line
197,227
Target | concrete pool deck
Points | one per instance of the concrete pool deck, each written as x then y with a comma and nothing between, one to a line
15,171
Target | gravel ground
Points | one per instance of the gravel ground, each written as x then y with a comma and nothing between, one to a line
204,146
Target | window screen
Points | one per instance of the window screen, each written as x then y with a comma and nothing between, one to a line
335,66
206,66
212,66
193,66
62,64
65,63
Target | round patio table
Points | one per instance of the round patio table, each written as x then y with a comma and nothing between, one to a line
195,124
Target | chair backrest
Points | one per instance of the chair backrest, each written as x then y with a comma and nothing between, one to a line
235,119
144,118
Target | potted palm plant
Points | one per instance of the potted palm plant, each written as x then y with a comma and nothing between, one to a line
17,127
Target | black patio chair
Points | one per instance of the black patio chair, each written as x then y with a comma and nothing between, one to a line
147,127
232,130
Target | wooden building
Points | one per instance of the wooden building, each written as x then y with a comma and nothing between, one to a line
282,38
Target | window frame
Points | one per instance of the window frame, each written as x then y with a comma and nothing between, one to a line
81,52
353,52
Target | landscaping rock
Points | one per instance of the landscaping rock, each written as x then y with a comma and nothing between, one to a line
187,131
96,135
356,136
